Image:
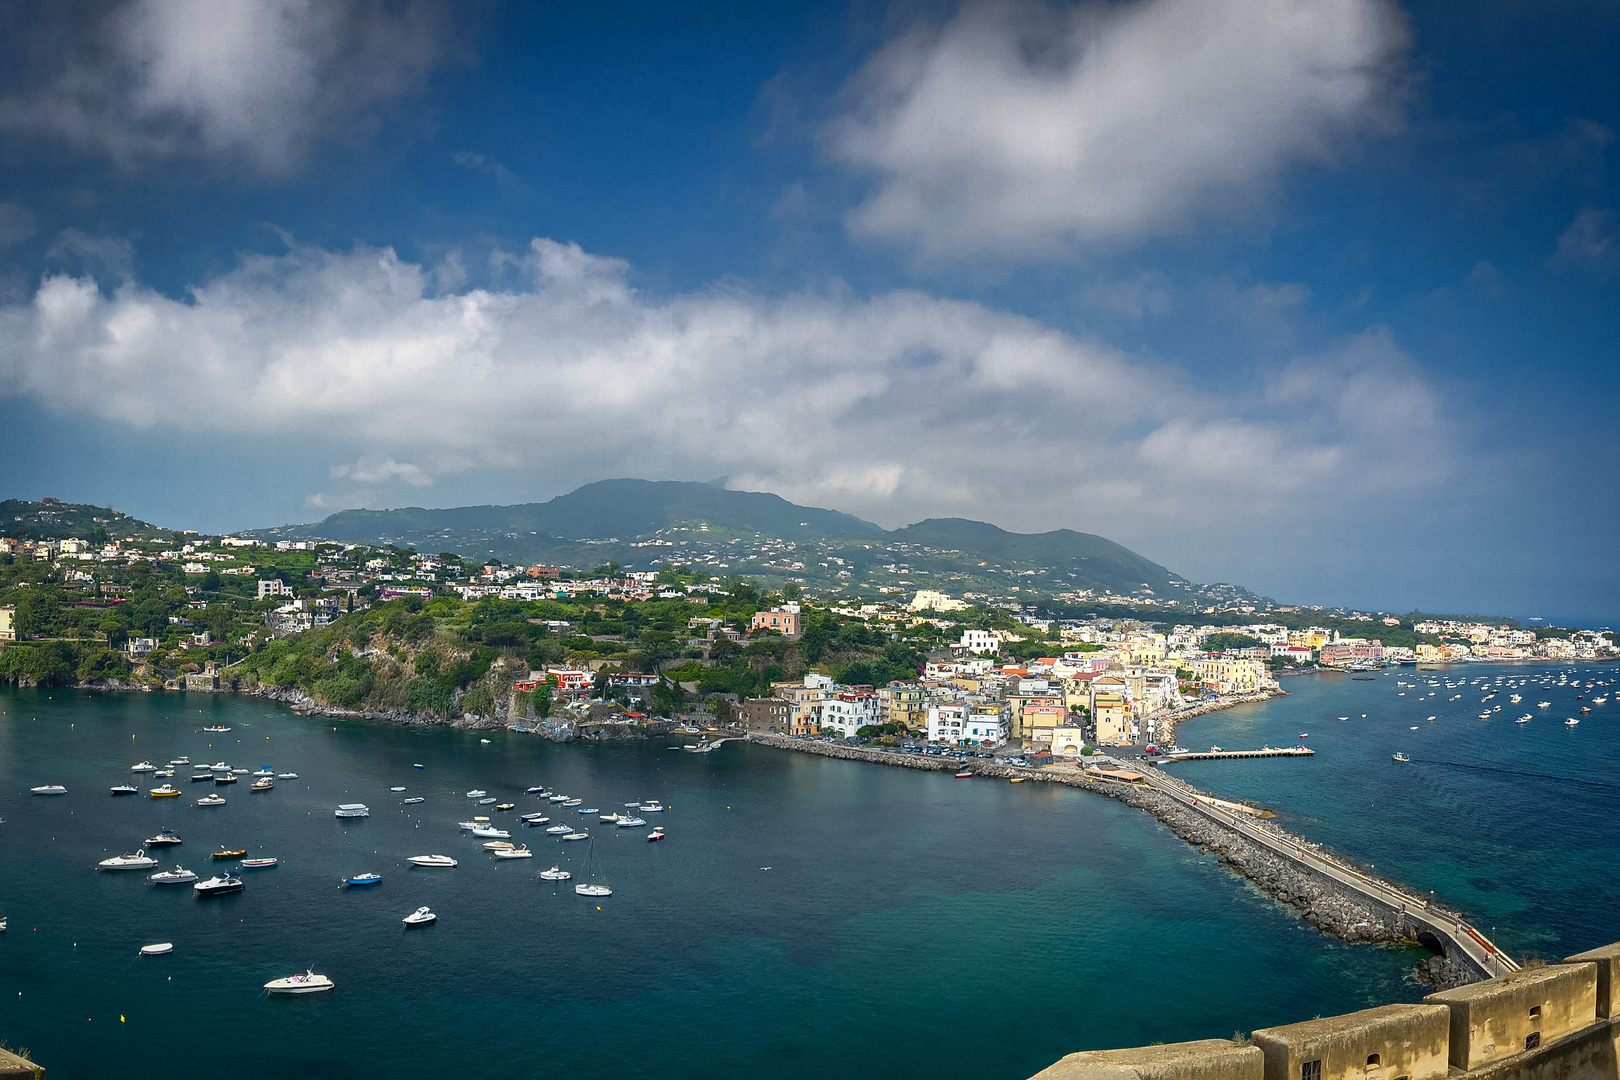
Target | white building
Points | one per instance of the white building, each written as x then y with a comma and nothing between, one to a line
978,642
947,722
848,713
273,587
987,727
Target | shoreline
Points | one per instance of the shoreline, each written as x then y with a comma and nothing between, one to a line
1317,901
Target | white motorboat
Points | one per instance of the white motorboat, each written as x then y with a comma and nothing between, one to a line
211,800
633,805
125,789
515,853
432,862
1398,756
140,860
655,835
396,789
216,727
178,876
164,838
165,774
218,886
558,830
485,832
48,789
286,776
264,770
498,845
577,836
573,802
476,794
608,819
475,823
264,783
631,822
162,948
593,890
263,863
557,798
307,983
143,766
487,800
413,801
1572,722
654,807
556,873
353,810
535,791
420,917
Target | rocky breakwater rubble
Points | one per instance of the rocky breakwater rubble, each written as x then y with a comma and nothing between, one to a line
1333,910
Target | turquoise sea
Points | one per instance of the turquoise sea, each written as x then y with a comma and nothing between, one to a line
806,917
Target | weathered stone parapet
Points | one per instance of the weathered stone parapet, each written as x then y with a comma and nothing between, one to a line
13,1067
1408,1042
1206,1059
1607,960
1498,1018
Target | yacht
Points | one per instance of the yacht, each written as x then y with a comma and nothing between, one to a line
48,789
264,770
225,778
259,864
475,823
655,835
211,800
476,794
164,838
167,791
125,789
307,983
162,948
361,879
631,822
144,766
556,873
420,917
515,853
413,801
218,886
138,861
178,876
558,830
432,861
353,810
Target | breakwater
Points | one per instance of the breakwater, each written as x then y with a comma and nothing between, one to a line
1336,907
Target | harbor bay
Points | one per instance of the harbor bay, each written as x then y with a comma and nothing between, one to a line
806,915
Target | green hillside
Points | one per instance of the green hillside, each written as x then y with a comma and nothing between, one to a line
27,520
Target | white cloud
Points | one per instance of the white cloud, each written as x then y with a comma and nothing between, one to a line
249,83
1020,129
896,406
1591,242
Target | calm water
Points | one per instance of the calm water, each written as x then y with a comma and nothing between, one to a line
1518,824
806,917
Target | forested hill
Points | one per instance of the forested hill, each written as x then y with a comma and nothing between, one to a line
55,520
641,524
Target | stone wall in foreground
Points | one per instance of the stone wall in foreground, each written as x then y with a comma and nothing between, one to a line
1554,1022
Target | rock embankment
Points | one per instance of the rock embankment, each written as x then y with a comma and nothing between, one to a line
304,705
1334,910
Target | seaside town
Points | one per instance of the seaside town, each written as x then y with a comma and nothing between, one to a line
353,628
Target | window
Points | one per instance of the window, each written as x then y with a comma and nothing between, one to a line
1373,1061
1311,1070
1532,1040
1535,1012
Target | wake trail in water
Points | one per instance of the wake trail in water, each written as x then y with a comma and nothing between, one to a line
1518,772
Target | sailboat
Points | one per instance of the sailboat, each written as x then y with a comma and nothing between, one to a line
589,887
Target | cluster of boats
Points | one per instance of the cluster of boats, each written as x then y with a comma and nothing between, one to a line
1514,686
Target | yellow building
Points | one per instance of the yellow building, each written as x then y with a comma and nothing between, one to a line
1231,676
8,624
906,705
1108,712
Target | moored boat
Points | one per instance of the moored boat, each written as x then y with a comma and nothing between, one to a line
432,862
353,810
125,789
361,879
413,801
162,948
164,837
263,863
139,860
556,873
211,800
144,766
225,853
218,886
178,876
515,853
631,822
577,836
48,789
165,791
655,835
420,917
307,983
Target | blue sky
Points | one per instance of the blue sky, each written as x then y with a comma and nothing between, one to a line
1320,297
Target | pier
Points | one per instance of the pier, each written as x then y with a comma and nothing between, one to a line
1270,751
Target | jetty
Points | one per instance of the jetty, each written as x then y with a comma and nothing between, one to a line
1269,751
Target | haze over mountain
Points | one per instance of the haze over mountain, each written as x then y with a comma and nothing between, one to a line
642,523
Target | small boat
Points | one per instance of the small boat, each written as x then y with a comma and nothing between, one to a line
487,800
307,983
588,810
195,777
476,794
361,879
167,791
211,800
963,775
218,886
420,917
144,766
181,760
259,864
535,791
413,801
1572,722
505,806
577,836
1585,710
224,778
164,774
593,890
1304,734
228,853
264,784
178,876
533,819
396,789
48,789
483,741
443,862
609,818
475,823
1522,720
515,853
286,776
654,807
632,806
1398,756
216,727
125,789
162,839
140,860
655,836
557,798
631,822
162,948
573,802
556,873
558,830
498,845
1015,779
416,766
486,832
264,770
353,810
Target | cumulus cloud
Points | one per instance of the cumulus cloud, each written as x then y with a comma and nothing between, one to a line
897,405
249,83
1592,241
1023,129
